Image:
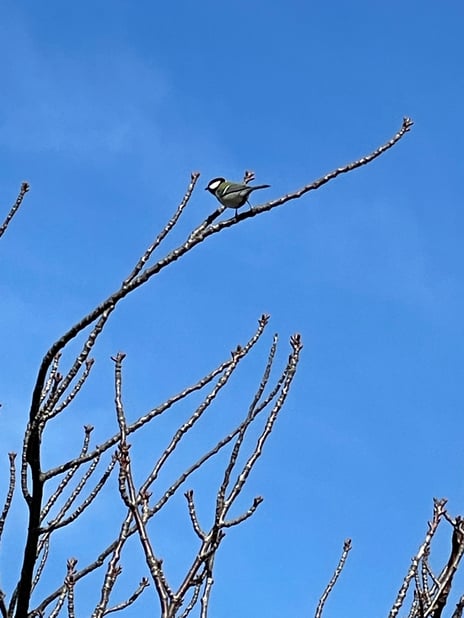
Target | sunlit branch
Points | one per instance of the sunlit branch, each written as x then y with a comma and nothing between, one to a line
146,418
193,515
129,494
120,606
165,231
51,377
98,317
459,608
44,549
59,604
61,523
438,513
69,583
193,601
14,209
237,356
241,518
295,341
209,581
333,580
81,359
10,492
241,435
441,592
67,479
80,383
113,569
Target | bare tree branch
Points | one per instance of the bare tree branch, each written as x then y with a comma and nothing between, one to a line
67,479
330,586
9,495
69,583
120,606
438,513
51,396
14,209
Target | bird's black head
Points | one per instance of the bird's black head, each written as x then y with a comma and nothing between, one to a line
214,184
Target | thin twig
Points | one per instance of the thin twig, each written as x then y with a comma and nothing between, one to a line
67,479
237,355
438,513
146,418
129,494
335,576
10,493
120,606
165,231
14,209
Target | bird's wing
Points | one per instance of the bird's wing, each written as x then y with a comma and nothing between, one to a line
235,187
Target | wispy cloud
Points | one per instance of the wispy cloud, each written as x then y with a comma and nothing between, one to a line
102,101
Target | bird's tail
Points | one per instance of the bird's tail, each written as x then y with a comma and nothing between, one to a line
260,187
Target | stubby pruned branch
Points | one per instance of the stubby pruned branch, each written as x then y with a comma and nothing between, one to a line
330,586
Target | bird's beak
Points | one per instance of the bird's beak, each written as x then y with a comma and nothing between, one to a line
206,188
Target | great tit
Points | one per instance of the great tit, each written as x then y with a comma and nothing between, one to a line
231,194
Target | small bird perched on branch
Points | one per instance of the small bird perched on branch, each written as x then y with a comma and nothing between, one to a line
232,194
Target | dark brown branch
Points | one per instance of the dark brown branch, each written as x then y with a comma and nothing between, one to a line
333,580
3,610
14,209
459,608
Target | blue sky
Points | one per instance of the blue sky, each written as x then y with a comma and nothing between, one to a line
106,109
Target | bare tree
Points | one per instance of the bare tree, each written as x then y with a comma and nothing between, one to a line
56,497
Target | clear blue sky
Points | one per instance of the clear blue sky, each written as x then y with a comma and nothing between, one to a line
106,107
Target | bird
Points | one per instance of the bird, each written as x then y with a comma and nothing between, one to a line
231,194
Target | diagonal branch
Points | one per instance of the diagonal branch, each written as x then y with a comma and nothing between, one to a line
14,209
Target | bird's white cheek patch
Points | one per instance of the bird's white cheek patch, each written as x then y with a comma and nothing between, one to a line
214,185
